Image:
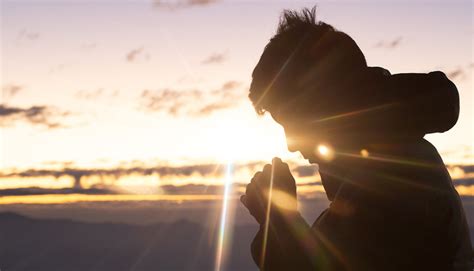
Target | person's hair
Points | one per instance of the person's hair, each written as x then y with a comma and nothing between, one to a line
301,58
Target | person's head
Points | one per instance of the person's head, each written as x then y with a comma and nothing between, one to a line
305,76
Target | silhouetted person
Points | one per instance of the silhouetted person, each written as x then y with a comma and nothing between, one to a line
393,204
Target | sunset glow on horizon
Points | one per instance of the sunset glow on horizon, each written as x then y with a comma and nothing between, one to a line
105,100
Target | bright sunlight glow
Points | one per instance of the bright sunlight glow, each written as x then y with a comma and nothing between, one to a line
325,152
222,238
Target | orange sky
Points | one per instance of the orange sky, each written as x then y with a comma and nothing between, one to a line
94,70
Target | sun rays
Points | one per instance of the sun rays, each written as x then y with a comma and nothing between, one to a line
222,245
267,219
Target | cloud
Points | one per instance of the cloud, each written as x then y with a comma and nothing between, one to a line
187,189
230,85
195,103
26,34
11,90
196,189
135,54
456,73
36,115
306,170
461,172
89,95
389,44
140,168
168,189
215,58
115,93
93,95
462,175
203,170
465,168
58,163
178,4
464,181
211,108
460,153
461,72
49,191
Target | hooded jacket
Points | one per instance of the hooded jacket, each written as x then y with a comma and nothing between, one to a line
396,210
423,103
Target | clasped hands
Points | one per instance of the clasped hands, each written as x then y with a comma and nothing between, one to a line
274,183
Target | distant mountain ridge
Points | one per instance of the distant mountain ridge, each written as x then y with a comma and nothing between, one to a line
59,244
67,245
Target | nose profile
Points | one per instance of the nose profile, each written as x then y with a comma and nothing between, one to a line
293,143
291,146
290,141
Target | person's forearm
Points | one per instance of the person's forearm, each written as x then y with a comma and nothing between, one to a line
289,244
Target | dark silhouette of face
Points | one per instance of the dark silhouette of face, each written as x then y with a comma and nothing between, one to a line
304,137
305,75
302,80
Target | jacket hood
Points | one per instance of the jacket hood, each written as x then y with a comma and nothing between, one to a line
419,103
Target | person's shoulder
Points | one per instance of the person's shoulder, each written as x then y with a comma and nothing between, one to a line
379,70
424,150
432,74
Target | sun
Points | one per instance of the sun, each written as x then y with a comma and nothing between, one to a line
241,140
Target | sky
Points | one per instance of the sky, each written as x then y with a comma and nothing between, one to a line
110,86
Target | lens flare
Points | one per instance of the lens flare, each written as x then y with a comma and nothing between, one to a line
283,200
222,228
267,219
325,152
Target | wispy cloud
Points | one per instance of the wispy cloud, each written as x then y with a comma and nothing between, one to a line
461,72
192,102
52,191
36,115
461,171
89,95
26,34
11,90
164,172
229,85
464,181
215,58
99,93
306,170
391,44
211,108
456,73
463,175
187,189
178,4
135,54
203,170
